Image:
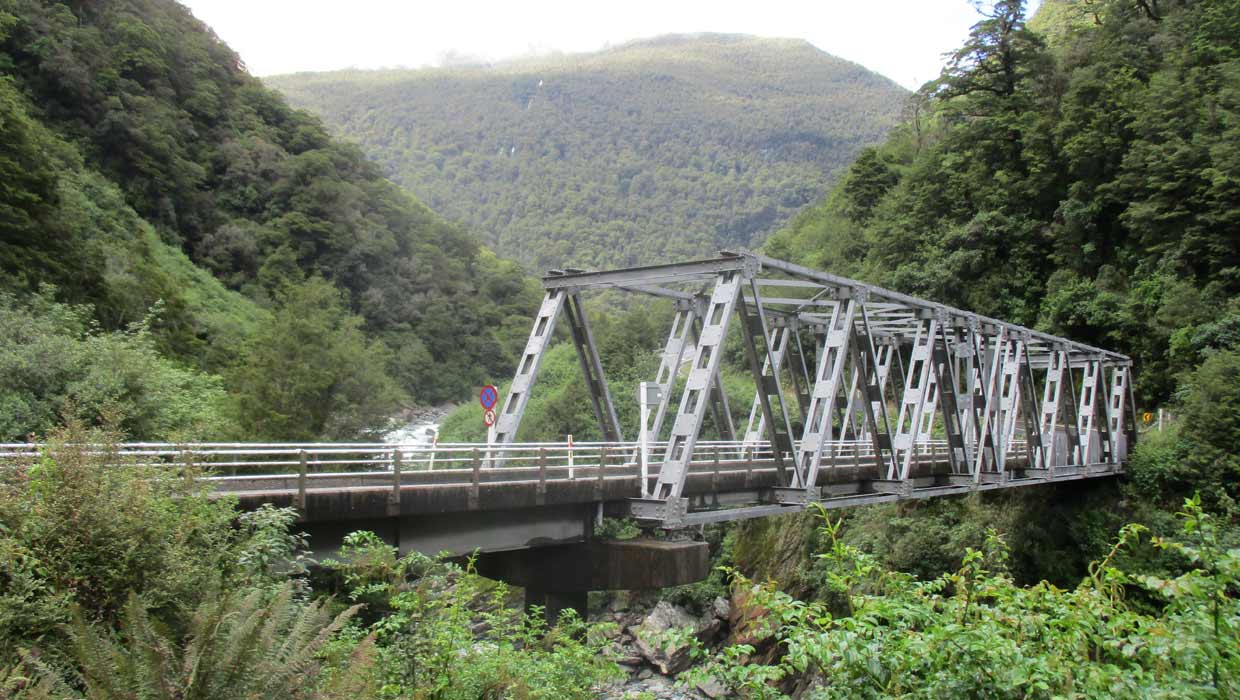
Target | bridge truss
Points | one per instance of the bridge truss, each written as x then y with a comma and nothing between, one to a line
837,361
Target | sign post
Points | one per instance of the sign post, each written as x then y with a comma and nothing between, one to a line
488,397
648,395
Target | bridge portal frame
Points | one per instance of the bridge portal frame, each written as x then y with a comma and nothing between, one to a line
889,368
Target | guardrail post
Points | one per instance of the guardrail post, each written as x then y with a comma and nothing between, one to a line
714,477
473,488
602,465
542,476
301,481
394,496
599,476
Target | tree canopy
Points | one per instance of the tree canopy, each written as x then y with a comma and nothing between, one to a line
1087,186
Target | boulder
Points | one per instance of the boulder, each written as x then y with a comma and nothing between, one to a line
650,636
750,625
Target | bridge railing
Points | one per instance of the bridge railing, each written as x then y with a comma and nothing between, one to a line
253,459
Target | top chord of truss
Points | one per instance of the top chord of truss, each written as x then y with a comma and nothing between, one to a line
890,313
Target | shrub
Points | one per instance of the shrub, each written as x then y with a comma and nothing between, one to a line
1200,453
54,363
80,526
974,633
453,635
239,644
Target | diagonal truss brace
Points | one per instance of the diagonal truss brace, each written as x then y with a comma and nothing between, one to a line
765,371
592,370
959,451
669,365
828,381
1038,458
512,410
780,340
717,399
872,369
916,401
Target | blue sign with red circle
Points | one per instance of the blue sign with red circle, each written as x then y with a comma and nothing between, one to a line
488,396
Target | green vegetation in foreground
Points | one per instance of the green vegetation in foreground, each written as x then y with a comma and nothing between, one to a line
162,197
656,150
121,582
1167,632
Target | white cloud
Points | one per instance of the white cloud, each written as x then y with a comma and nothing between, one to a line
902,39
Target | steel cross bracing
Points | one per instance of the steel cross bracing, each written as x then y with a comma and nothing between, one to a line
894,371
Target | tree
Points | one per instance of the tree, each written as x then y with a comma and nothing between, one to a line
312,373
868,180
999,54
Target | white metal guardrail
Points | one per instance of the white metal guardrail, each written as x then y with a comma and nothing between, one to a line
257,459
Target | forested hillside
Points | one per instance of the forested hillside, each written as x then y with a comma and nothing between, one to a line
658,149
1080,175
171,231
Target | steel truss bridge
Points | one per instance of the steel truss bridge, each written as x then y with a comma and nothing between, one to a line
861,395
864,366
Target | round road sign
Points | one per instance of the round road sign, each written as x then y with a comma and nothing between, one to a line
488,396
488,418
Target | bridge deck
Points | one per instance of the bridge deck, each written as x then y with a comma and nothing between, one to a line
725,481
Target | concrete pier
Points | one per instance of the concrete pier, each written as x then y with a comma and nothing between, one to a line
558,577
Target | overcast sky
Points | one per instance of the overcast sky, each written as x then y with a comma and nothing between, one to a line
902,39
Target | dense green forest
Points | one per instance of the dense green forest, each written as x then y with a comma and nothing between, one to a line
653,150
1088,186
162,211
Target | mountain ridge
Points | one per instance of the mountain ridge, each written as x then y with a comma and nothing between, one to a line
658,148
